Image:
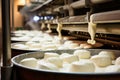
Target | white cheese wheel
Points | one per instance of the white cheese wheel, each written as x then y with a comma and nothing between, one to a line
65,68
101,60
29,62
117,61
29,43
62,47
64,55
99,69
112,68
24,38
50,54
68,42
35,39
108,53
56,61
82,66
70,58
46,65
35,45
20,46
49,47
82,54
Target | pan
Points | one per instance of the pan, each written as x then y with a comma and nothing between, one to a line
25,73
17,51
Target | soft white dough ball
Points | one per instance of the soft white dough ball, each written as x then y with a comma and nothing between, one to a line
65,67
68,42
82,66
99,69
56,61
49,47
108,53
20,46
29,62
24,38
117,61
70,58
46,65
112,68
50,54
29,43
101,60
82,54
35,45
36,49
72,45
64,55
63,47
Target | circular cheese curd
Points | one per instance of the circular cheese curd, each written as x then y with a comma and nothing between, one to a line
101,60
108,53
117,61
20,46
82,54
56,61
46,65
69,58
29,62
82,66
50,54
112,68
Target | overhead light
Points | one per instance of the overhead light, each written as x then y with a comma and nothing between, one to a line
36,18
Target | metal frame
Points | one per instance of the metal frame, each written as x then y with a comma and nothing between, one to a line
6,56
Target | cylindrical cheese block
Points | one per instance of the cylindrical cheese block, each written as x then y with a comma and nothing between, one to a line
46,65
70,58
117,61
29,62
113,68
82,54
108,53
56,61
82,66
50,54
101,60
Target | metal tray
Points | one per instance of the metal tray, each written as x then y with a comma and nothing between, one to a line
24,73
17,51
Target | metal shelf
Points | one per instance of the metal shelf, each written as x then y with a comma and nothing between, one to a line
106,17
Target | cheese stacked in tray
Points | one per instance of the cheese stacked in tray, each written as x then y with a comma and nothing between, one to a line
25,35
79,61
46,45
37,40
